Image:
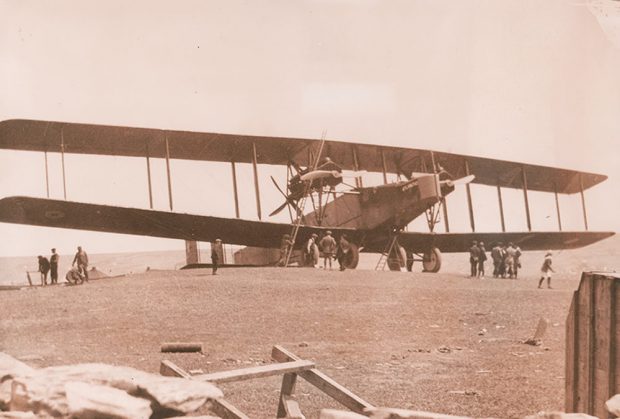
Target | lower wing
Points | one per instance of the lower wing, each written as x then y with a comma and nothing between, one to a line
461,242
112,219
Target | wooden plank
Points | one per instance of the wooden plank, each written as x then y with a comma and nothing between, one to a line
289,380
324,383
255,372
292,409
602,327
584,318
220,407
571,355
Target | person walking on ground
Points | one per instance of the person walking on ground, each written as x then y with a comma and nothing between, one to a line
343,249
517,260
474,256
44,267
81,258
545,271
496,255
216,255
328,247
54,267
482,258
510,260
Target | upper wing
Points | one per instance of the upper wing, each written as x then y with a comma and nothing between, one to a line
83,216
19,134
461,242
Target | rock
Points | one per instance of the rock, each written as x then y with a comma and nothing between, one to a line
560,415
339,414
389,413
96,401
303,345
613,405
44,391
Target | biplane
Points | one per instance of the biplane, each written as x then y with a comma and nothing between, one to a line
373,218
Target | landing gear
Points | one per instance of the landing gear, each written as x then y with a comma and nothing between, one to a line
431,262
398,258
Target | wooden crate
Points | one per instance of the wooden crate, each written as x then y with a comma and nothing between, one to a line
592,371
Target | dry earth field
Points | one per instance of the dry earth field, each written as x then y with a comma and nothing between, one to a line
378,333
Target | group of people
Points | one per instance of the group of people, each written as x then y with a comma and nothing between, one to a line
506,261
313,248
78,272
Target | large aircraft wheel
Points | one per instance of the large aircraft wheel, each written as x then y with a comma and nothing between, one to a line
352,257
432,260
398,258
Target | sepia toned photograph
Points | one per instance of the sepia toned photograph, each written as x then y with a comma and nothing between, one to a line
331,209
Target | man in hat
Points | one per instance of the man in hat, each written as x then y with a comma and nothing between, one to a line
496,255
474,256
285,248
54,267
216,255
546,270
481,259
328,247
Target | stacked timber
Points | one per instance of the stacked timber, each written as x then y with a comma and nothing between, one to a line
97,390
592,344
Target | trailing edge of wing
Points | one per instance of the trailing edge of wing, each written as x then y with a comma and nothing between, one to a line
51,136
111,219
461,242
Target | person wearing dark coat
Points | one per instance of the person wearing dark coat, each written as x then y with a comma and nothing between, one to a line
474,256
54,267
216,255
44,268
481,259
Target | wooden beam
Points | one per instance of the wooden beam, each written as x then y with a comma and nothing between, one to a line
235,191
324,383
292,409
255,372
220,407
289,380
444,204
527,202
356,165
501,207
256,188
168,173
469,203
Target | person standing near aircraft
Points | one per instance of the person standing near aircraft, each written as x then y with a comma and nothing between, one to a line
474,256
312,251
482,258
517,260
510,260
216,255
328,247
44,267
285,248
54,267
546,270
496,255
81,258
343,249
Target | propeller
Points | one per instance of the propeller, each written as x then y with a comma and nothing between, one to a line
462,181
288,200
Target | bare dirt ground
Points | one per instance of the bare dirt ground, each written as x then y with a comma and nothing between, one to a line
415,341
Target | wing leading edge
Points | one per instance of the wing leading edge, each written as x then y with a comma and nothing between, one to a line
461,242
112,219
52,136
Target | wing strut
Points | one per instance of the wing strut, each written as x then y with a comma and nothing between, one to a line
62,160
583,202
148,174
501,207
256,189
527,202
47,177
469,204
168,172
235,192
557,206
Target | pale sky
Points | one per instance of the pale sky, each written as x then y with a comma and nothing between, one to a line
528,81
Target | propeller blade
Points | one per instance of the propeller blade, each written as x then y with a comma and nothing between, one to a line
278,187
462,181
280,208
